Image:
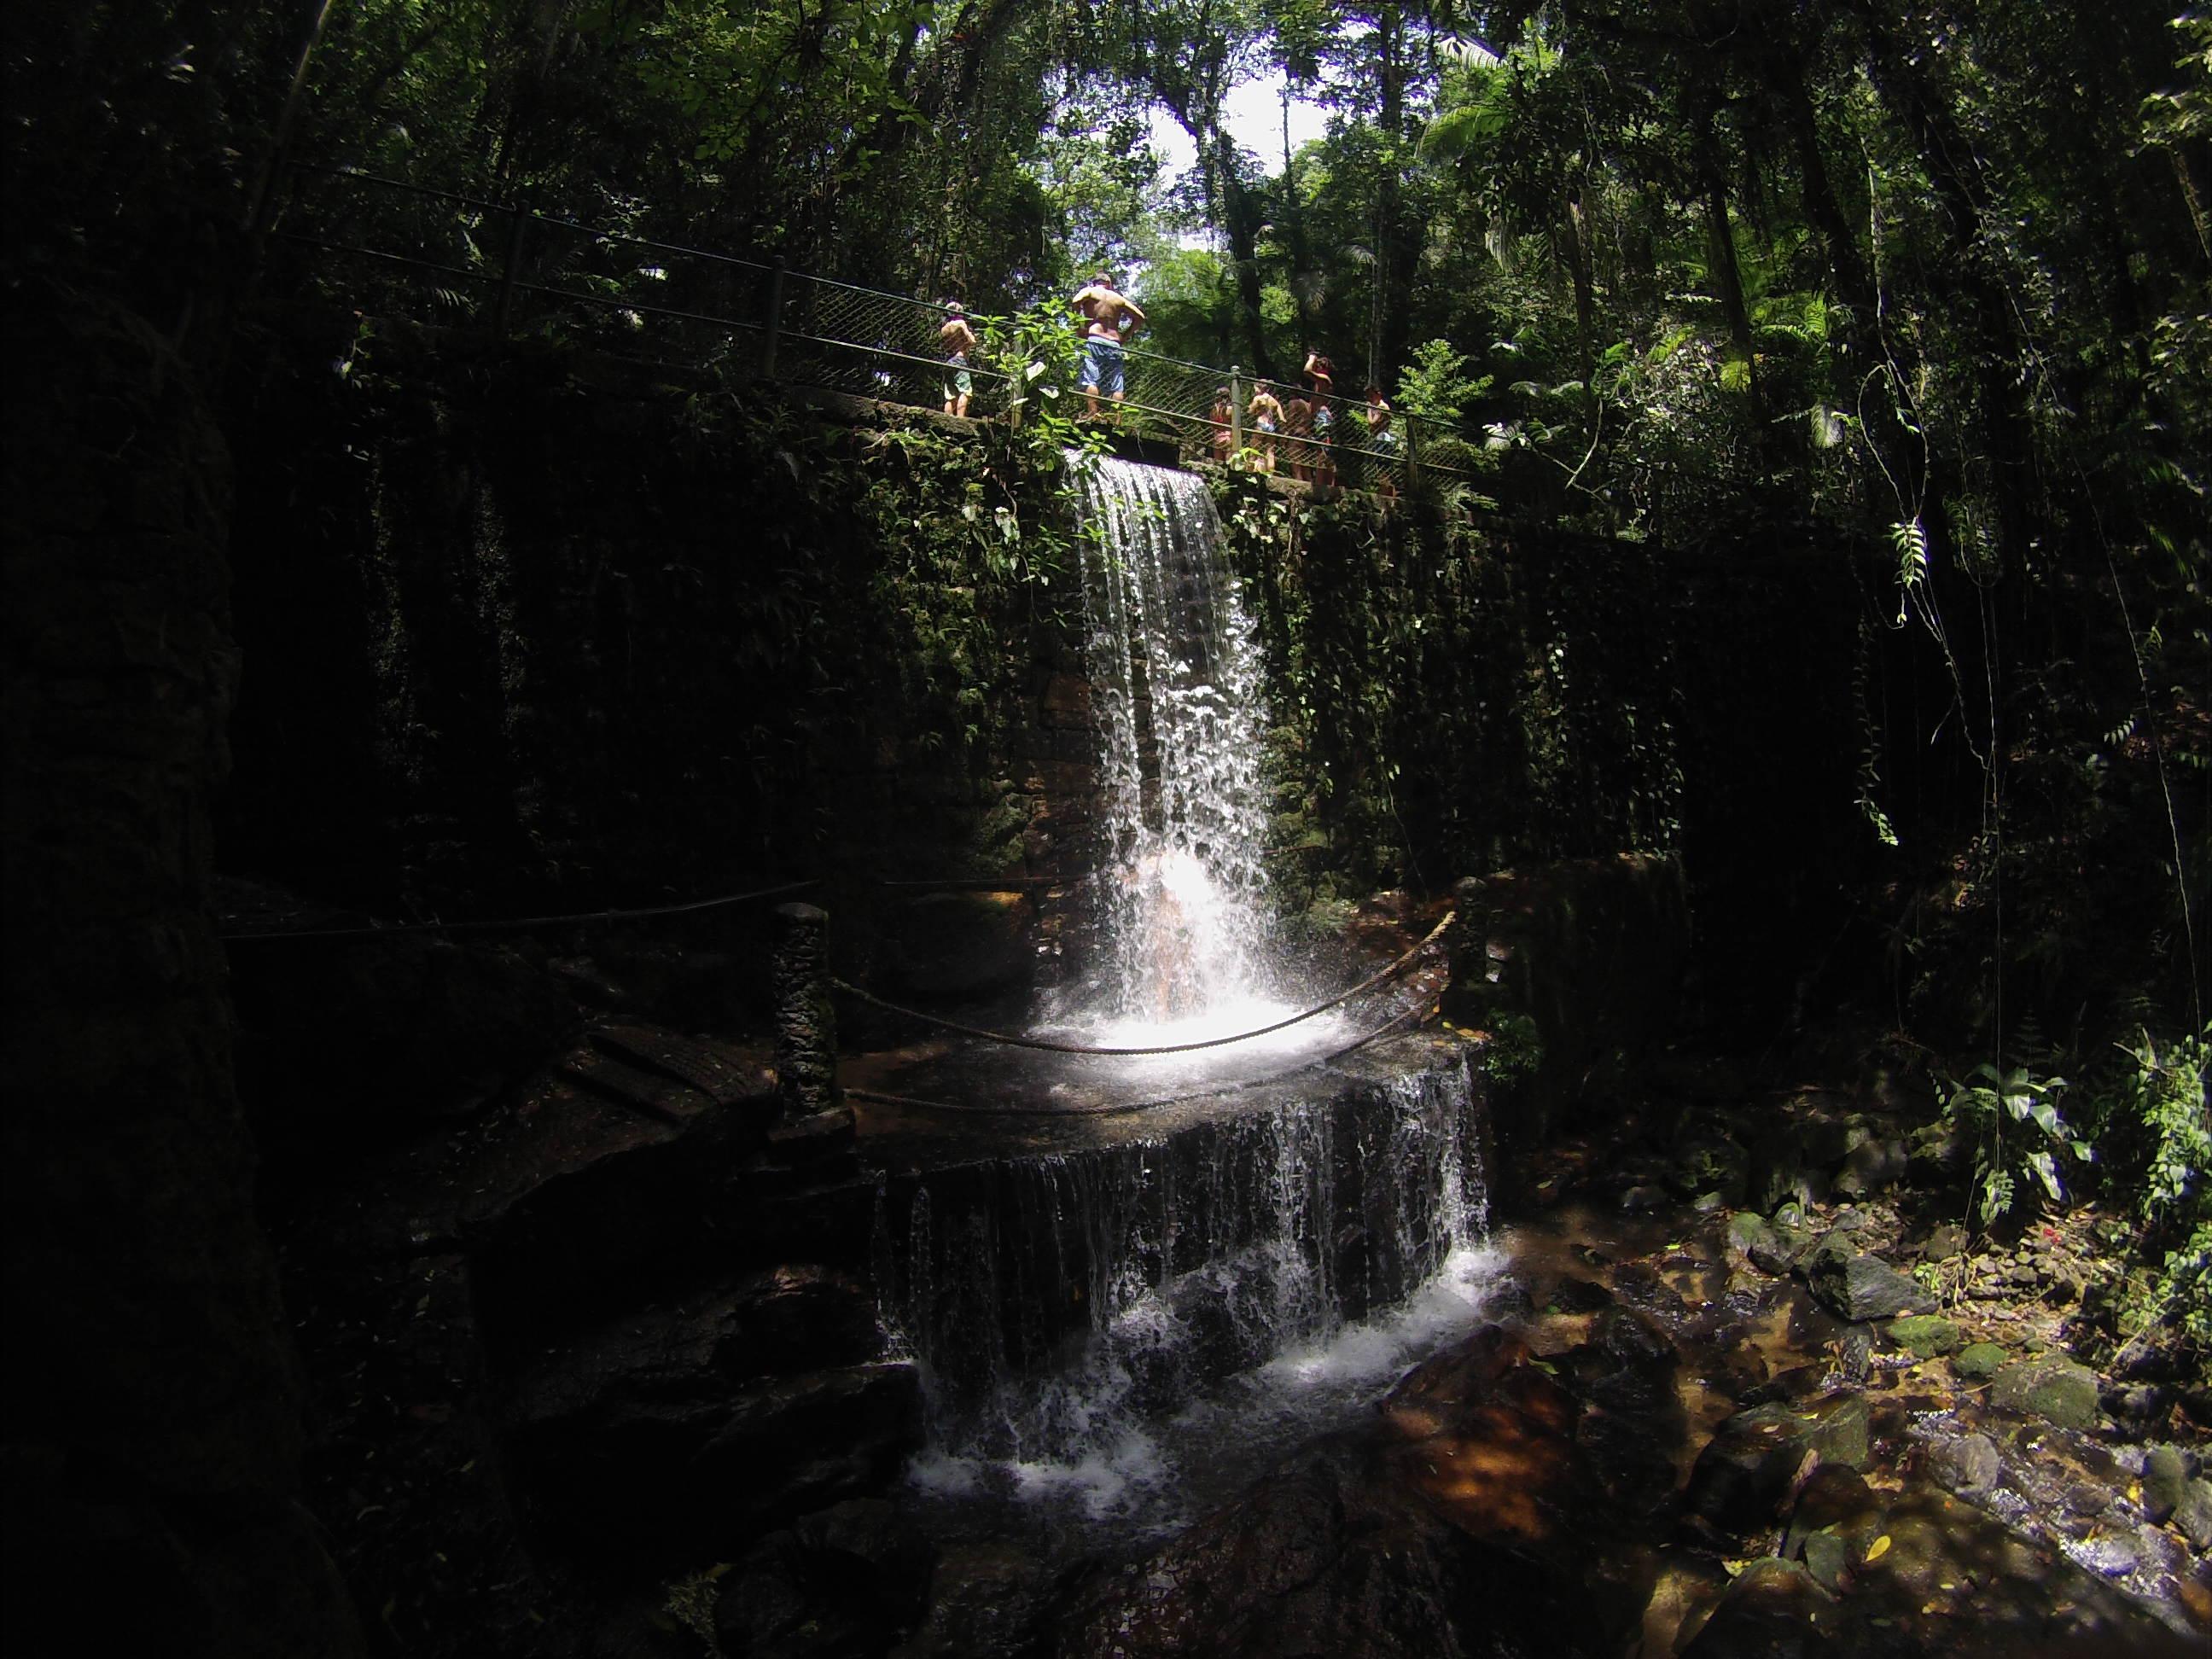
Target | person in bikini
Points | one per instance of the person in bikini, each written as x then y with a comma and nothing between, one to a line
957,339
1265,412
1110,314
1223,439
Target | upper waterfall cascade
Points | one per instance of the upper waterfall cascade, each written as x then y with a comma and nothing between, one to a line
1181,720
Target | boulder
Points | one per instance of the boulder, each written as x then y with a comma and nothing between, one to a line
850,1579
1929,1336
1978,1361
775,1321
1863,1287
1968,1464
2050,1387
2193,1515
1748,1232
634,1474
1746,1468
1874,1165
1774,1608
2165,1482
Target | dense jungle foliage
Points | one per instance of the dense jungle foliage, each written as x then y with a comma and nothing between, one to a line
1926,284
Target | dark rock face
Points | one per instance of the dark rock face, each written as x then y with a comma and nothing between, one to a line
155,1441
955,945
419,1029
1591,952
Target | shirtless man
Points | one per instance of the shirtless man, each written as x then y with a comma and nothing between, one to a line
1110,313
957,339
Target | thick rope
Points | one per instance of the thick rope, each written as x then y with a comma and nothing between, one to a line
1012,1042
524,924
1124,1107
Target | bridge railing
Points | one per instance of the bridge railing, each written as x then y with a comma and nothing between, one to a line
466,259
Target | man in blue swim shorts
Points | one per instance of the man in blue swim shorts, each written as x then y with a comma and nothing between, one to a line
1111,314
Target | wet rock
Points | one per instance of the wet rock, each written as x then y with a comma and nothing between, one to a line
2085,1497
1708,1163
1926,1335
1796,1384
1834,1499
986,1599
1856,1357
2193,1515
1978,1361
2052,1388
1747,1232
2110,1555
1826,1560
1579,1295
623,1475
2138,1409
1319,1559
1968,1465
782,1320
851,1579
1788,1246
1841,1435
1640,1199
1774,1610
1863,1287
1745,1470
2165,1482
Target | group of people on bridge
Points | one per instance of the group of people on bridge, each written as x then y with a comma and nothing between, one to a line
1305,431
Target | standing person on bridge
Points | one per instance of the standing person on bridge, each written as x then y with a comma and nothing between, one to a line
957,340
1111,314
1265,412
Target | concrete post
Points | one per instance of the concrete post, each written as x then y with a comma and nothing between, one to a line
806,1020
1236,410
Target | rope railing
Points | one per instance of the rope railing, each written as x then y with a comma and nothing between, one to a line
838,335
1014,1040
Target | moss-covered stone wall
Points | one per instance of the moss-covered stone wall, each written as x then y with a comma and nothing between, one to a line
1456,694
537,628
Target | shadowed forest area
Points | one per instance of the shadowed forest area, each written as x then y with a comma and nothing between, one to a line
1821,393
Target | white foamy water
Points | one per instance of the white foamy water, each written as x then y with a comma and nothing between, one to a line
1180,894
1107,1336
1149,1476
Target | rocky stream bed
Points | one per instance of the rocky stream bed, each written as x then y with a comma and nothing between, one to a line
598,1369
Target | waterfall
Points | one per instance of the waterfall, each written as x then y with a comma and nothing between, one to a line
1083,1318
1124,1308
1181,893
